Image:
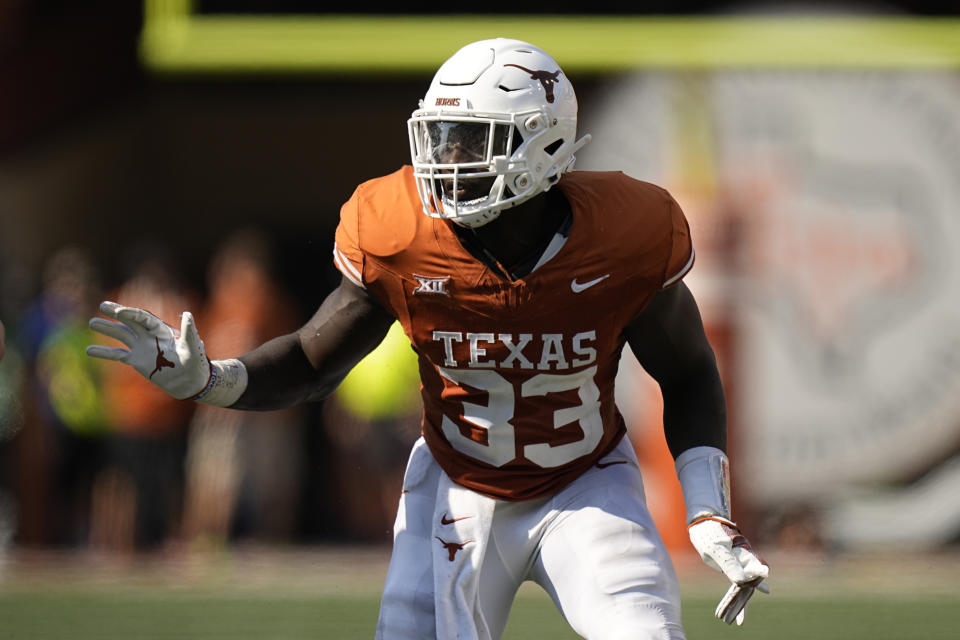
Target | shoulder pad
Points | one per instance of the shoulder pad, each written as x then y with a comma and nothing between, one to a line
388,213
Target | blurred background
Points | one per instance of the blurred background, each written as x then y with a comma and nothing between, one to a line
184,155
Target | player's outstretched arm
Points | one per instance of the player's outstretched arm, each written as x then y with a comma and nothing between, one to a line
310,363
669,341
289,369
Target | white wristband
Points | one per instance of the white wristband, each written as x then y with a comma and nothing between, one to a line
228,381
704,474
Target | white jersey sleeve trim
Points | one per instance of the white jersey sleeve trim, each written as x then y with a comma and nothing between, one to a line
346,267
682,272
552,249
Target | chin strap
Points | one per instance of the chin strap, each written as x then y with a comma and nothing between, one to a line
554,178
580,143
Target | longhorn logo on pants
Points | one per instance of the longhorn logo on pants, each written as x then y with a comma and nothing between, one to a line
452,547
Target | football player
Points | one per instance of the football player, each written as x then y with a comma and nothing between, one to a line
518,282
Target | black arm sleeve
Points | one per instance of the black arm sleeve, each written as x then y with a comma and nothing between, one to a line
670,343
310,363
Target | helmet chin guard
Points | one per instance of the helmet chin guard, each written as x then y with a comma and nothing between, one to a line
496,127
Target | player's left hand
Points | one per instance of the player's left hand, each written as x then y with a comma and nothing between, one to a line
722,546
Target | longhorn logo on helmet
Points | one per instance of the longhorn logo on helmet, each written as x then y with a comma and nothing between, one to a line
546,78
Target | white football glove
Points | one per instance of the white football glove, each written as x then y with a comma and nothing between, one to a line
722,546
177,364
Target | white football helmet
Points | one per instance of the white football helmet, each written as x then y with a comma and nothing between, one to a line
498,126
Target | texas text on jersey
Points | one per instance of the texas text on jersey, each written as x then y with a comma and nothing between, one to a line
518,374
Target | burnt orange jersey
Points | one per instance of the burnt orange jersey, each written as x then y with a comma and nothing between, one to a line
517,376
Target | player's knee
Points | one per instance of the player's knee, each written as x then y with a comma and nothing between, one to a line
407,606
637,621
407,611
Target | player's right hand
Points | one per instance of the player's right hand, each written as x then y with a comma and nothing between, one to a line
722,546
177,364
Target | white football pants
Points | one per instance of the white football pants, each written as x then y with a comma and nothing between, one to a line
592,546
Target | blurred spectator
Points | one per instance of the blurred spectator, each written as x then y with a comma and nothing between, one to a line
138,497
11,391
59,449
373,419
243,468
11,421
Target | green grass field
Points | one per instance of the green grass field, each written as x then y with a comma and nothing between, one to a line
184,615
334,595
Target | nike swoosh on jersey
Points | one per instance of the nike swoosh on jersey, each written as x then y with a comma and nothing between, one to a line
445,520
604,465
578,287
